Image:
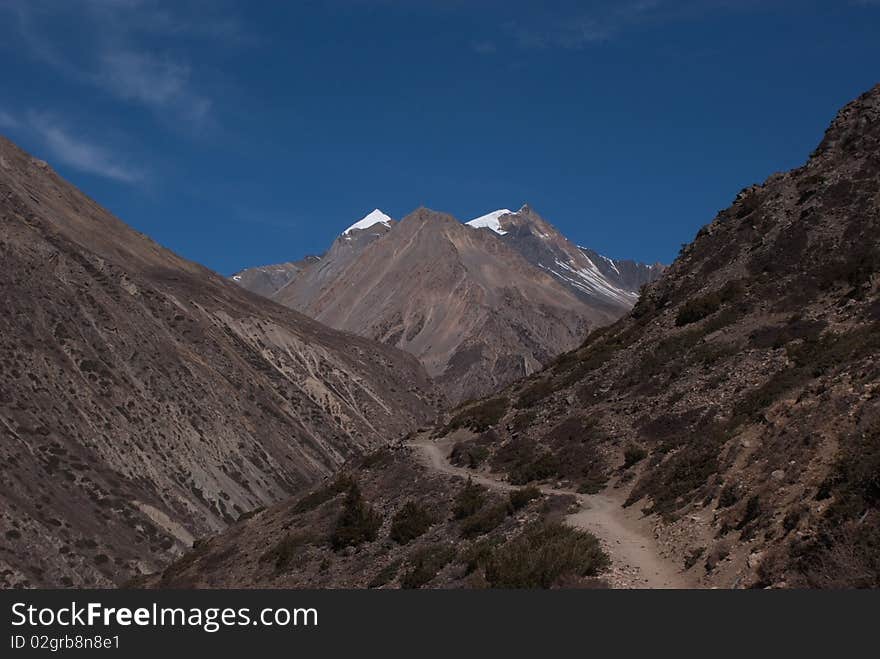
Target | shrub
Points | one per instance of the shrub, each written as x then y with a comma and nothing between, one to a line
479,553
660,359
478,417
698,308
469,500
544,465
792,519
729,495
573,443
751,512
776,336
534,393
323,494
468,454
519,499
693,556
425,564
755,403
813,357
524,419
695,310
357,523
633,454
283,553
542,555
411,521
385,575
377,459
685,470
483,521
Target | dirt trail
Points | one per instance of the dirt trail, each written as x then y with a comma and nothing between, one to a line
636,562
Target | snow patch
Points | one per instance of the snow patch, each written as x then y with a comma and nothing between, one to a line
375,217
590,280
490,221
610,262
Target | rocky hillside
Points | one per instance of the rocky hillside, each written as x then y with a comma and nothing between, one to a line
390,521
145,400
737,408
473,310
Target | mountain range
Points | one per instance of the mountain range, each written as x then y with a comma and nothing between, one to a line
480,304
724,433
162,426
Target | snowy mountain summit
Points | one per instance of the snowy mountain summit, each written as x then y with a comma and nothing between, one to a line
372,218
490,221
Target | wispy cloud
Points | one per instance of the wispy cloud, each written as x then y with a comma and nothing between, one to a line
484,47
125,48
578,29
159,83
82,155
7,120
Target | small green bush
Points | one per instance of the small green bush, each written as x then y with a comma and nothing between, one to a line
542,555
385,575
357,523
523,420
323,494
479,552
535,393
812,357
377,459
478,417
686,469
633,454
469,500
483,521
698,308
519,499
283,553
411,521
544,465
695,310
425,564
468,454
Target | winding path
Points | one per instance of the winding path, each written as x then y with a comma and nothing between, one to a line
636,562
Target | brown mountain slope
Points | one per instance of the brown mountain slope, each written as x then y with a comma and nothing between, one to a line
474,311
317,271
266,279
145,400
737,408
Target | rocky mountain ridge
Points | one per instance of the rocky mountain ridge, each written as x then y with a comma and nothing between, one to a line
473,310
145,401
382,281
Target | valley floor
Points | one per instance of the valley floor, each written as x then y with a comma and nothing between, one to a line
627,538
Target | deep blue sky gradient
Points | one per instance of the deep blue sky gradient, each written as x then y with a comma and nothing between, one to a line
240,134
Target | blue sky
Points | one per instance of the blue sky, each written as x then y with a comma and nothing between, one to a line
246,133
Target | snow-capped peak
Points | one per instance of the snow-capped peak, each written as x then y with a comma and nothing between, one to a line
490,221
375,217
